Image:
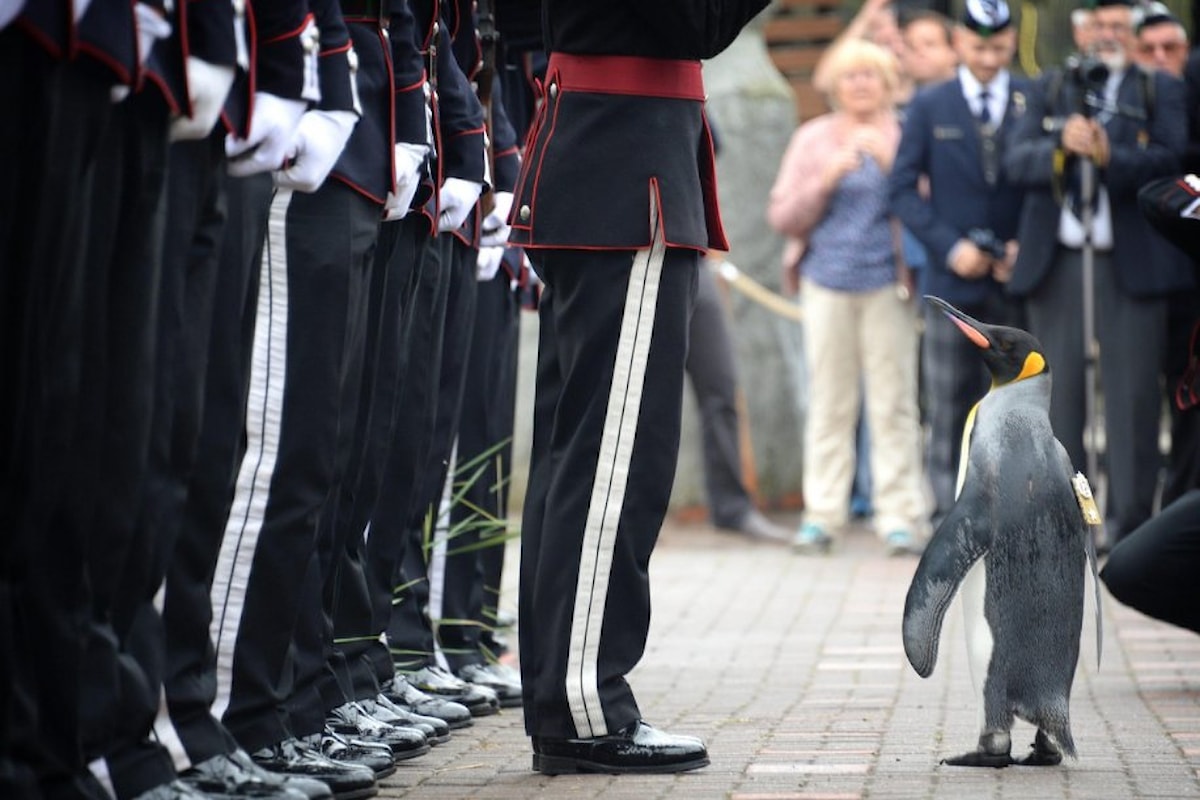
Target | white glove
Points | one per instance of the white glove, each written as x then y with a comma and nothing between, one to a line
455,200
495,228
151,26
272,124
319,140
488,262
208,85
9,10
409,159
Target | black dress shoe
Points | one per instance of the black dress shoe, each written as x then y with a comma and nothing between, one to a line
374,755
500,678
352,721
637,748
409,697
436,731
223,776
479,700
294,757
311,788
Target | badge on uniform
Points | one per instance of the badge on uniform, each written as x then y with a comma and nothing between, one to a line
1087,503
947,132
1018,104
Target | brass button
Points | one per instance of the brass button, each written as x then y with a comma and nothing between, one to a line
524,213
553,90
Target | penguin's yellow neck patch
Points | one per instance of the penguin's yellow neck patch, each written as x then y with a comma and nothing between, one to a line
975,336
1034,365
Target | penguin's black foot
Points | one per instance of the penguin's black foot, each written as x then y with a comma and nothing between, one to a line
979,758
1045,753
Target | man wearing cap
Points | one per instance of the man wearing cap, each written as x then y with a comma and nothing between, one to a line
1162,41
954,134
1124,126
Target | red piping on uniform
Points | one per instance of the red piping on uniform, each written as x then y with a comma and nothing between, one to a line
631,75
345,48
309,19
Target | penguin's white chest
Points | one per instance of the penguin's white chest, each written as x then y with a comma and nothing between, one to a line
980,641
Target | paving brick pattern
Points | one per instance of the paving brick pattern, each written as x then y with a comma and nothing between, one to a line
792,670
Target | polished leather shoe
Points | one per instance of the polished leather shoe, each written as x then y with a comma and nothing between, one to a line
374,755
503,680
294,757
410,698
352,721
311,788
225,777
436,731
175,790
636,748
479,700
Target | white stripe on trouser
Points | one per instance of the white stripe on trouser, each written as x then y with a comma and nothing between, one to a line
437,558
264,412
608,491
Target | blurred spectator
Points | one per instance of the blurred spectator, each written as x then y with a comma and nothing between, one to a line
928,55
1162,44
1083,29
859,329
1162,41
1125,126
948,188
1154,568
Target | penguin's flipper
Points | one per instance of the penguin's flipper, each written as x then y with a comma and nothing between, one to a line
958,543
1089,547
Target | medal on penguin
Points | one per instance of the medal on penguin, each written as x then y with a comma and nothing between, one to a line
1016,544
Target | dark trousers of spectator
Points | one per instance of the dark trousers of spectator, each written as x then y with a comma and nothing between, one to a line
468,576
48,146
410,632
1153,569
612,344
190,686
713,373
314,273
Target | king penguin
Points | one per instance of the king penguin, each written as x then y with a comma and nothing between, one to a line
1016,542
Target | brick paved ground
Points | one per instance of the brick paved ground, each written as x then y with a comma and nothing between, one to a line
792,670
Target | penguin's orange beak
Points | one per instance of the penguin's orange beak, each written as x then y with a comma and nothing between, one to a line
969,326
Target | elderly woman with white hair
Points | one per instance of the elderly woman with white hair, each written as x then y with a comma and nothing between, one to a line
831,195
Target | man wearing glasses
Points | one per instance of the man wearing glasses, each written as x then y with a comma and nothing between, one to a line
1162,41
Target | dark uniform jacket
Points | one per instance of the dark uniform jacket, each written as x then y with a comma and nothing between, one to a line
941,138
457,117
366,163
1141,149
612,132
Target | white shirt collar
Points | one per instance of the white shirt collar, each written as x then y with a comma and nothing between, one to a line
997,92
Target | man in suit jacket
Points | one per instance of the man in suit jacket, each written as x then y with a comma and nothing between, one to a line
953,137
1131,127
